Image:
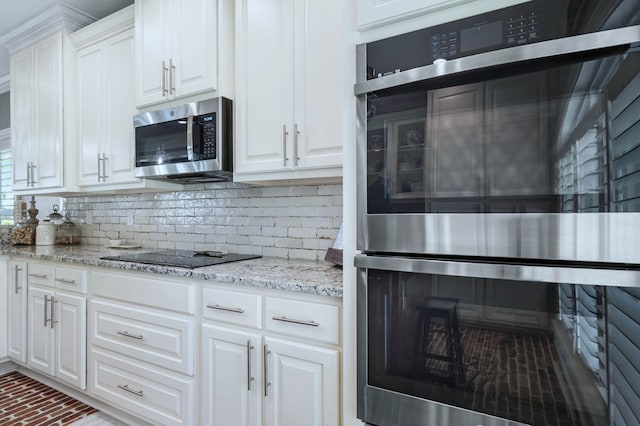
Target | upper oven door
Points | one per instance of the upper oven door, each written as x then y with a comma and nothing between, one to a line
526,152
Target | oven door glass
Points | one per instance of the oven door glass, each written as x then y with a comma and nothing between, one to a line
538,138
531,352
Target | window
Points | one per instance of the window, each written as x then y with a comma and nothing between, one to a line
6,174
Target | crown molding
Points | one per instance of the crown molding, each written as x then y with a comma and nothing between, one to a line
106,27
5,83
57,18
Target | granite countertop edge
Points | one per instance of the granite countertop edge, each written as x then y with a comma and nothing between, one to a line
293,275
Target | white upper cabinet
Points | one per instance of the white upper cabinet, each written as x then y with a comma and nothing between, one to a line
289,88
37,115
105,105
176,49
104,113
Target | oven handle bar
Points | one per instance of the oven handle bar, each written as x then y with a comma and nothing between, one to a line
509,56
504,271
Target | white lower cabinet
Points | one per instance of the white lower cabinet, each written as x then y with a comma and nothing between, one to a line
141,336
17,311
288,377
232,376
157,395
302,384
56,327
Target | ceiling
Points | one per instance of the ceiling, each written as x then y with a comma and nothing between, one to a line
23,10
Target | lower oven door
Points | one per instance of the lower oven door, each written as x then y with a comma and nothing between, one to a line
465,343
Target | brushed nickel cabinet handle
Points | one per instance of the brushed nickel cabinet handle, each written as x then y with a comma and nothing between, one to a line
17,270
227,309
296,321
296,135
46,314
164,79
284,145
265,365
66,281
38,275
99,160
52,321
104,167
127,334
28,174
172,77
133,391
33,179
250,378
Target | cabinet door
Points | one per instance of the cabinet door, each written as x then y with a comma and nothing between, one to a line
120,107
21,116
90,92
17,310
455,116
264,85
514,112
47,110
304,385
41,333
152,35
194,47
70,324
319,71
232,385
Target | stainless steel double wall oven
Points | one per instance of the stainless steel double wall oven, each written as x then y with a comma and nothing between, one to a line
499,219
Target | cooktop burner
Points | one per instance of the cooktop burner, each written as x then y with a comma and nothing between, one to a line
182,258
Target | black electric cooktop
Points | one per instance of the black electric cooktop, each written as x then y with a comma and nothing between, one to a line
182,258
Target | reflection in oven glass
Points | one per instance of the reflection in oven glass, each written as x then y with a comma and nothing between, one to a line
535,353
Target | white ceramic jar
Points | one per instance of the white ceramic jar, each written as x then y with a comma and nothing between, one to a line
45,233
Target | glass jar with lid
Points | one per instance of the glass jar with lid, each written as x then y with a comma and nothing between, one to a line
23,233
67,233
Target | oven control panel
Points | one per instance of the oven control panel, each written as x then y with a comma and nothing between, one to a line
514,30
524,23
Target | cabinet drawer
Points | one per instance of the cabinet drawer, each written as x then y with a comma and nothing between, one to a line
311,321
158,396
71,279
40,274
155,292
159,338
232,307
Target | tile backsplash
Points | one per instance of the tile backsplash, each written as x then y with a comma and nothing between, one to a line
296,222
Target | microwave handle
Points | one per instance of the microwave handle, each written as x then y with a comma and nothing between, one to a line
190,138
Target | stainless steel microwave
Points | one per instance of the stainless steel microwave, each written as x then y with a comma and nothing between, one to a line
187,143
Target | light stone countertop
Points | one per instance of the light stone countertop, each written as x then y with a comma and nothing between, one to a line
302,276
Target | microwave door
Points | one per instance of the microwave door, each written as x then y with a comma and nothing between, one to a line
161,143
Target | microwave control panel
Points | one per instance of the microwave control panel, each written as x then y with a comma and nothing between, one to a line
208,137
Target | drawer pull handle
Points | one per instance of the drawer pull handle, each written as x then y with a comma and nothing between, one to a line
127,334
297,321
38,275
224,308
128,389
63,280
